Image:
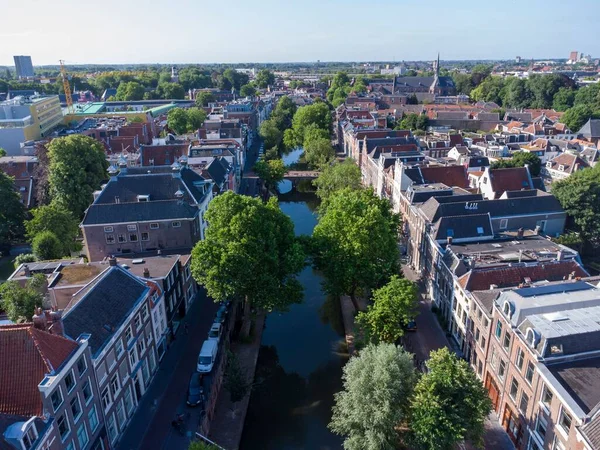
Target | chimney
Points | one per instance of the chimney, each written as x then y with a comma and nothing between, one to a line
537,229
57,327
449,240
493,286
559,255
146,272
572,275
520,233
27,270
112,261
39,319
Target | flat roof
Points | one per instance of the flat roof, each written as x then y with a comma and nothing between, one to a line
567,323
581,379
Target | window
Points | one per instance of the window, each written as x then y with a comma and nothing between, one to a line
138,322
108,229
145,373
154,226
87,392
114,385
93,418
558,445
144,313
520,358
503,224
477,334
75,408
29,437
506,309
132,357
57,399
530,372
479,368
502,369
547,397
82,436
120,416
479,313
111,428
69,382
129,401
63,426
176,224
494,359
541,426
106,400
498,330
483,342
141,344
110,238
133,237
514,389
131,227
145,236
523,403
81,366
119,348
121,238
153,360
506,342
556,349
565,421
128,335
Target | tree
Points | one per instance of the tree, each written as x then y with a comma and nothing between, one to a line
249,251
271,172
2,152
284,112
264,78
19,302
412,121
316,114
24,258
336,177
46,245
576,117
130,91
232,79
318,152
57,220
77,168
177,120
270,133
356,242
201,445
171,91
12,212
519,159
195,118
236,381
450,404
377,386
394,306
204,98
579,195
563,99
247,90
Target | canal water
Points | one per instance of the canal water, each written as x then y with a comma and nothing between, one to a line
300,360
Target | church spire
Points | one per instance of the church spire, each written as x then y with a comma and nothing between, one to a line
437,66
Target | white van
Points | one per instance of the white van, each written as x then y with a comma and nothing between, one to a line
214,334
208,355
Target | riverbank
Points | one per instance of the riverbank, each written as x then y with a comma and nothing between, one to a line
348,314
227,425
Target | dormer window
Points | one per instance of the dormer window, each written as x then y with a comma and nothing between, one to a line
561,168
549,165
143,198
556,349
530,337
29,437
507,310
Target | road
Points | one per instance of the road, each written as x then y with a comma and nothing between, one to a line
166,397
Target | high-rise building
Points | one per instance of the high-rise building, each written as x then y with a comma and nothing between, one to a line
574,56
24,66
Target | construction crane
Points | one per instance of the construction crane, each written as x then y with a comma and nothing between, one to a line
67,88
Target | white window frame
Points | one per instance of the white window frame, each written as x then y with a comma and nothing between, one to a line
91,397
62,399
154,226
85,433
109,229
76,398
93,413
72,375
176,224
503,224
132,227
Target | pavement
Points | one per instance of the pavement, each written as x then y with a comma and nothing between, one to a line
150,427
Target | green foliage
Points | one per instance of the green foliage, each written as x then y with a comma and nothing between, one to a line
519,159
247,90
264,78
355,242
170,91
201,445
193,78
373,403
579,195
413,121
336,177
185,120
317,114
195,118
249,250
317,149
231,79
20,302
45,245
135,119
24,258
130,91
271,171
394,305
563,99
57,220
450,405
236,381
284,112
588,95
77,168
576,117
204,98
571,239
12,212
270,133
2,152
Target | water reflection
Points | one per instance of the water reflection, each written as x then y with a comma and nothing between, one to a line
292,156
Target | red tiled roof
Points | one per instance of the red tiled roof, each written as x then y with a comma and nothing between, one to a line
449,175
503,277
513,179
568,161
162,154
456,139
27,355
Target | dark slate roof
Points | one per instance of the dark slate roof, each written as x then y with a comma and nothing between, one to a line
420,82
478,161
486,299
581,379
104,308
217,170
140,211
542,203
590,129
372,143
463,227
591,432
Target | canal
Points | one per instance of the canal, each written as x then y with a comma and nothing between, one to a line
300,360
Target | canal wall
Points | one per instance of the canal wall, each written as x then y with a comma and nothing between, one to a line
348,314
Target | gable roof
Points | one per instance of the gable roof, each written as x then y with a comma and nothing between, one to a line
590,129
512,179
453,176
27,355
463,227
568,161
104,307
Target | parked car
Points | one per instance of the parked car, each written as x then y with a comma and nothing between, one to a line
195,389
222,313
207,356
214,334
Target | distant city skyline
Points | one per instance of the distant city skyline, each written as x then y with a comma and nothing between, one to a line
184,32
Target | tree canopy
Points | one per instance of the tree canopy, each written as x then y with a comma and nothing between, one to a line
264,78
185,120
46,246
318,151
57,220
449,405
519,159
394,306
317,114
20,302
204,98
336,177
77,168
356,242
247,90
250,251
12,212
130,91
271,171
412,121
374,400
577,116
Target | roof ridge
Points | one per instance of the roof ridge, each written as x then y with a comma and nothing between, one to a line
47,362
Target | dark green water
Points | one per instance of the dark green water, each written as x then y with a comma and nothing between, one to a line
300,361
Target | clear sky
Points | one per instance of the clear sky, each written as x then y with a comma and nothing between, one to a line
197,31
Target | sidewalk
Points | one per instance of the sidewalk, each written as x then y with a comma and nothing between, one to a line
227,425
